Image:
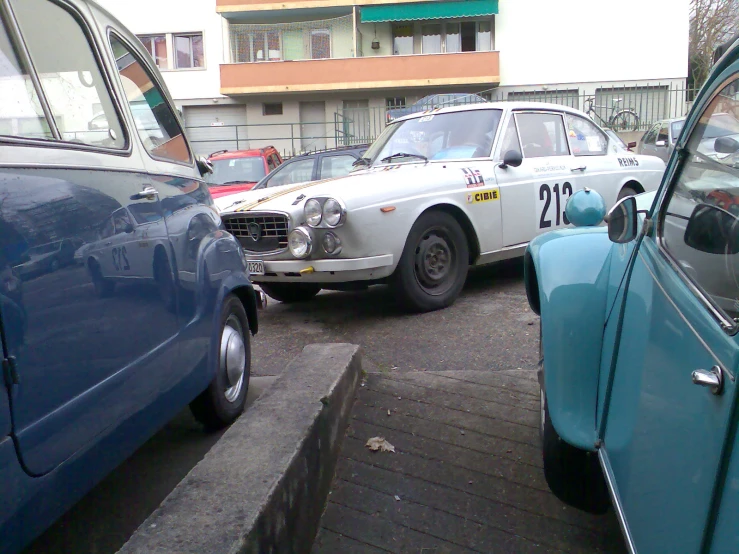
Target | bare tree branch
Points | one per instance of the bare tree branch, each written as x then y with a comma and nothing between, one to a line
712,22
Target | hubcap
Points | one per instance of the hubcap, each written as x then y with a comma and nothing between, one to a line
233,357
434,262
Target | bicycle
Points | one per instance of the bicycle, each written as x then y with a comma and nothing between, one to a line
625,119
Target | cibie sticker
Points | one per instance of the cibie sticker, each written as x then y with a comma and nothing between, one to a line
483,196
473,177
426,118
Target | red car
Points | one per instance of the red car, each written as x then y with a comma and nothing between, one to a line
240,170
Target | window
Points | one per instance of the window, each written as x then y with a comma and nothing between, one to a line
585,138
70,77
510,139
336,166
484,36
122,221
20,111
469,43
320,44
157,47
651,136
155,122
295,172
700,225
664,135
189,51
431,38
271,162
236,171
395,102
677,126
272,108
452,38
542,134
402,40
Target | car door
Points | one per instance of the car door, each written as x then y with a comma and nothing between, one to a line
647,146
84,360
534,195
664,434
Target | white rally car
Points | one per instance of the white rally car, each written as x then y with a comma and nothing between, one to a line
439,191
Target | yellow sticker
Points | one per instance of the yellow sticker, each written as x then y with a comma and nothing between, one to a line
483,196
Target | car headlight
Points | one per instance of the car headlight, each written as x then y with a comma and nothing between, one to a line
331,244
333,212
300,243
313,213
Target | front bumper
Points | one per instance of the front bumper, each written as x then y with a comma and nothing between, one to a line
339,270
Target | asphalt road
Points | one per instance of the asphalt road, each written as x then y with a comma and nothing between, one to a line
489,328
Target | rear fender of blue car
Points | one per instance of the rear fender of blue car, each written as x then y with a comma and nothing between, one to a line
566,276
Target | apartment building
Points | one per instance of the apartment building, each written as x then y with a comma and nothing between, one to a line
307,74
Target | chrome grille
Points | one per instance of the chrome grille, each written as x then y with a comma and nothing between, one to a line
272,234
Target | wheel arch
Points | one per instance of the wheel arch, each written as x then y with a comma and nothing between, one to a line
633,184
458,214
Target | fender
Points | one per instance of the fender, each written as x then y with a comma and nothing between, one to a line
566,277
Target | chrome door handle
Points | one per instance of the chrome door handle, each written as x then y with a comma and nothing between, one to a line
581,168
148,193
713,378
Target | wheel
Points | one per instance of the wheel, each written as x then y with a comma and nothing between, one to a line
290,292
626,191
625,120
103,287
164,280
573,475
433,267
223,401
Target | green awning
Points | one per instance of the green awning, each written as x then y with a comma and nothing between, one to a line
428,10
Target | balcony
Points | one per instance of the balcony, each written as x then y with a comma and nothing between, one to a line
226,7
370,73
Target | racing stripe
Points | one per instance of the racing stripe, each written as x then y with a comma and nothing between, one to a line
261,201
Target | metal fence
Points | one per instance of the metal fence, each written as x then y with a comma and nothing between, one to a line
624,109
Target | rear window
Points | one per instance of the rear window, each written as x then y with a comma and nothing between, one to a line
236,170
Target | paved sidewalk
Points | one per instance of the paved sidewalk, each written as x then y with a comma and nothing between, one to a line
466,475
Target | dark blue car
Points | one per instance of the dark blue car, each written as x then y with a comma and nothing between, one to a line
157,309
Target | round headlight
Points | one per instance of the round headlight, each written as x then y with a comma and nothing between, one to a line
331,243
300,243
333,213
312,211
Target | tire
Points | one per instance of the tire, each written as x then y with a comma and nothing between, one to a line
164,280
573,475
104,288
433,267
625,120
626,191
223,401
290,292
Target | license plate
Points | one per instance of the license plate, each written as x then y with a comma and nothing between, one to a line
256,267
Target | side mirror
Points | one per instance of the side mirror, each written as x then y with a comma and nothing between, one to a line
204,166
511,158
631,145
128,228
712,230
660,143
726,145
622,223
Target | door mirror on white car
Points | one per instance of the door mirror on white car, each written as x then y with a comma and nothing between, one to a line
204,166
726,145
660,143
712,230
622,221
511,158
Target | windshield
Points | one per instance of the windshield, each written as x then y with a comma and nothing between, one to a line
236,170
449,136
721,125
677,126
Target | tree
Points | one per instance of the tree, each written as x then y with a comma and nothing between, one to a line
712,22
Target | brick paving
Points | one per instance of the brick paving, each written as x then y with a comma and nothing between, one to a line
466,476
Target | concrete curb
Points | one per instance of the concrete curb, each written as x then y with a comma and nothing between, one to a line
263,486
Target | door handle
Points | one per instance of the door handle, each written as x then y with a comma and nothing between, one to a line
108,243
713,379
581,168
148,193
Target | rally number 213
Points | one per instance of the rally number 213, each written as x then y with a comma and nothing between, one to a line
120,259
548,194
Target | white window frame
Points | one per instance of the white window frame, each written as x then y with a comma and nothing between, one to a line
418,33
173,55
171,52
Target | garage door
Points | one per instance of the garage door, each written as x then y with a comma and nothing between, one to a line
212,128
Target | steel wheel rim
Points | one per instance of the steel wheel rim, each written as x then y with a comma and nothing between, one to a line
232,360
434,262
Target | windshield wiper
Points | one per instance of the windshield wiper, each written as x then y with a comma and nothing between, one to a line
361,161
234,183
404,155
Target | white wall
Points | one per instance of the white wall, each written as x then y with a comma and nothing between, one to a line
178,16
567,41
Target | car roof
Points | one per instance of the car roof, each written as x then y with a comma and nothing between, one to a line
537,106
330,151
230,155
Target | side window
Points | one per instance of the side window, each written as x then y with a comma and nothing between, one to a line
700,223
122,221
542,134
585,138
336,166
155,121
651,135
510,139
271,162
107,230
664,134
296,172
70,77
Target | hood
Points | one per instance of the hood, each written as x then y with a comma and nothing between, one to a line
355,190
227,190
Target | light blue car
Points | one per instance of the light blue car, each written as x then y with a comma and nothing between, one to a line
640,344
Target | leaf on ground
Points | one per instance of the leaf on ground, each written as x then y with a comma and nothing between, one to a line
379,443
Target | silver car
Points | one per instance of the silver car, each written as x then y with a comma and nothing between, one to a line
661,138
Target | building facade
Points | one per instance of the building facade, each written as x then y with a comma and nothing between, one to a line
310,74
